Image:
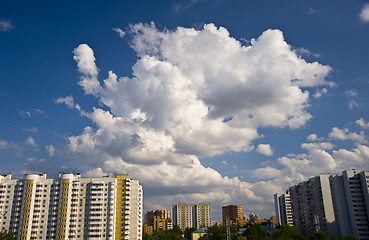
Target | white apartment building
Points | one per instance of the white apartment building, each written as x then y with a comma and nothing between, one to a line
356,193
312,205
71,207
283,209
187,216
337,204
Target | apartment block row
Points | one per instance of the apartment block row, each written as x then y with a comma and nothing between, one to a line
337,204
188,216
71,207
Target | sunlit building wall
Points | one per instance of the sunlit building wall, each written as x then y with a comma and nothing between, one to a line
70,207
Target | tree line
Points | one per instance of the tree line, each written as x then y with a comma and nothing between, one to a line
252,232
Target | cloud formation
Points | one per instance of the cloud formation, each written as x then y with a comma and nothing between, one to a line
3,143
31,141
6,25
50,149
361,122
193,93
68,100
364,13
265,149
120,32
345,134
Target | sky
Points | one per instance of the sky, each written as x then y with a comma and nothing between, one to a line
223,102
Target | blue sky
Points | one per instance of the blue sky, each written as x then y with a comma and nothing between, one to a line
225,102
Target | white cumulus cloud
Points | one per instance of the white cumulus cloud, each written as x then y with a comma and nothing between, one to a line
85,59
31,141
265,149
345,134
193,93
68,100
361,122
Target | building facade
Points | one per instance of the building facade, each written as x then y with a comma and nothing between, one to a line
188,216
337,204
232,213
159,220
312,205
283,209
71,207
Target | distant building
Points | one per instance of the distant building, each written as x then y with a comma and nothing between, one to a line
232,213
71,207
199,233
203,215
187,216
159,220
148,229
337,204
283,209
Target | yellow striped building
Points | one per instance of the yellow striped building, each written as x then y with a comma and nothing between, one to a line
71,207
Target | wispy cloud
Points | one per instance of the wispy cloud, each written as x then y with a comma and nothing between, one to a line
3,144
311,11
320,93
50,149
120,32
6,25
33,129
364,13
351,102
30,113
306,52
189,3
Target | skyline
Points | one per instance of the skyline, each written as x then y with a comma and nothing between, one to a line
224,102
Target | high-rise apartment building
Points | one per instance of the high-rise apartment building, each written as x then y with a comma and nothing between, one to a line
312,201
187,216
334,203
350,194
283,209
159,220
203,215
232,213
71,207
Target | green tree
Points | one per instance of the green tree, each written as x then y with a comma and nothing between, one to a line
240,237
255,232
215,233
349,237
318,236
288,233
188,232
7,235
177,229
